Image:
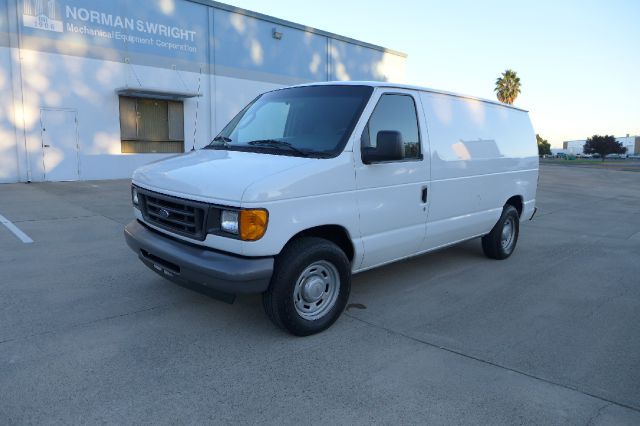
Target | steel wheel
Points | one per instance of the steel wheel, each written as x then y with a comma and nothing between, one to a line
502,240
309,287
508,232
316,290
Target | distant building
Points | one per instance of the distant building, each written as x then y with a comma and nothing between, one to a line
573,147
632,143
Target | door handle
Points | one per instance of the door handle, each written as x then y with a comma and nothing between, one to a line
425,193
46,146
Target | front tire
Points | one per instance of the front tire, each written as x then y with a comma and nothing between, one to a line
501,241
309,288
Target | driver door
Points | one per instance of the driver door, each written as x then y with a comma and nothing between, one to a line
393,195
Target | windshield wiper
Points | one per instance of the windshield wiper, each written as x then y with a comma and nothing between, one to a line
274,143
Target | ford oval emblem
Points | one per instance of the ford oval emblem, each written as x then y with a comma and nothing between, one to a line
164,213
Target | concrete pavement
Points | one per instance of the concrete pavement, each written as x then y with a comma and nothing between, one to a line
549,336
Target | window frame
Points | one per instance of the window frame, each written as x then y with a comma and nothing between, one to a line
420,156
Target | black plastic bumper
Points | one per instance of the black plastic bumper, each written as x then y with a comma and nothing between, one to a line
186,264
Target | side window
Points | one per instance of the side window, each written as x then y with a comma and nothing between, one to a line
395,112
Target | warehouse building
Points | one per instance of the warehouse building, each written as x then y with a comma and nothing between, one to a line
92,90
632,143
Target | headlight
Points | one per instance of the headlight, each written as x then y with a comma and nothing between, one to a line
229,221
134,196
249,225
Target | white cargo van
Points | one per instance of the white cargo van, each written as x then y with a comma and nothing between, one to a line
310,184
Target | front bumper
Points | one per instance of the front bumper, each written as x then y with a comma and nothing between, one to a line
186,264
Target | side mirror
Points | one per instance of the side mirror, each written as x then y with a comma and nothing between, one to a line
390,147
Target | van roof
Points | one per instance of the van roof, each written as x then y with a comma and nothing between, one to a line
409,87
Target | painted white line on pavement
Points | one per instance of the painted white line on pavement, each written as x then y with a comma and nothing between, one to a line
16,231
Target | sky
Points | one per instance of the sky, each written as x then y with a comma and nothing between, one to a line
578,61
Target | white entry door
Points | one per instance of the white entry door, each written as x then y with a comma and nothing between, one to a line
59,144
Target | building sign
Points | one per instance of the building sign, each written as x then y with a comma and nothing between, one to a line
147,27
137,31
42,14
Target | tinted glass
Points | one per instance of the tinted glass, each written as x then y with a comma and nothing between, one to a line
395,112
314,120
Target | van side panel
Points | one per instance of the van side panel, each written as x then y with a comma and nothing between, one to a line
481,155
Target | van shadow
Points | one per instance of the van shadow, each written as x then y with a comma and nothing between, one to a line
423,270
401,277
242,315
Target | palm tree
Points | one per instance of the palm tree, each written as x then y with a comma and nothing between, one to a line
508,87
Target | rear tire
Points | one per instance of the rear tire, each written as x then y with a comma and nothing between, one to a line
502,240
309,288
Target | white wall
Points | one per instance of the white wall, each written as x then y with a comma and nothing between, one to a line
628,142
349,61
8,154
88,87
577,147
233,94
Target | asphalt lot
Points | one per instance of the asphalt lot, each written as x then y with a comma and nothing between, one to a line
549,336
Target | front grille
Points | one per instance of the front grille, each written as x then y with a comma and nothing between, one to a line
183,217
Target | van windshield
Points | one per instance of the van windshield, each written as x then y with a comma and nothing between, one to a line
312,121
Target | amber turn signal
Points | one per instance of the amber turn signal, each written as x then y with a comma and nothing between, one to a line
253,224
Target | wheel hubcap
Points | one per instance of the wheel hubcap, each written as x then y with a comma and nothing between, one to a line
312,289
508,231
316,290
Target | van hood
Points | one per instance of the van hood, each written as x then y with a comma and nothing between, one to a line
212,175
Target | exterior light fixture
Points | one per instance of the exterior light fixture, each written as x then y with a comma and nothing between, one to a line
276,34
